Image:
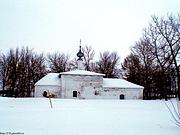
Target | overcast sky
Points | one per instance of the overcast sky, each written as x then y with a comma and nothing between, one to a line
58,25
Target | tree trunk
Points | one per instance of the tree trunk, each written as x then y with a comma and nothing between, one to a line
178,82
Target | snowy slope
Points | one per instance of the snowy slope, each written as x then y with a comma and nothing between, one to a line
85,117
119,83
49,79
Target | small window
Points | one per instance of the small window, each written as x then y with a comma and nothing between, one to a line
74,93
121,96
96,93
44,94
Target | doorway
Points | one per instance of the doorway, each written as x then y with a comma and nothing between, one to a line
121,97
74,93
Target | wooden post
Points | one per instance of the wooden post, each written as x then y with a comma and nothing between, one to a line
49,96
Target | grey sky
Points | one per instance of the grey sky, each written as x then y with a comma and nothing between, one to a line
58,25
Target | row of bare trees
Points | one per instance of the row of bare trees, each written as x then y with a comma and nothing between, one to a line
20,69
107,64
153,61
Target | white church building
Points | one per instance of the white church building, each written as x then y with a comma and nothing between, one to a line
81,84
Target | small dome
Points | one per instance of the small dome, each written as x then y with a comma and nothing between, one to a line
80,54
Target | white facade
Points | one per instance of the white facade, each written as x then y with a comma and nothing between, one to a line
49,83
39,89
85,86
121,87
81,84
115,93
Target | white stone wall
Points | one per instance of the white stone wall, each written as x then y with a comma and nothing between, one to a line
114,93
87,87
84,85
39,89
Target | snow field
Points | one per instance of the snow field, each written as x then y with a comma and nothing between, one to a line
33,116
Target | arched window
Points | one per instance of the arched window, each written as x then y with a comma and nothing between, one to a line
121,96
74,93
45,94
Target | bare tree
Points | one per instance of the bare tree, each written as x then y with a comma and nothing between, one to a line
73,64
163,36
132,68
108,64
142,50
58,62
20,70
37,69
12,59
3,70
88,57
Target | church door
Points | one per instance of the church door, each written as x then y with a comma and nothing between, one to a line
74,93
121,96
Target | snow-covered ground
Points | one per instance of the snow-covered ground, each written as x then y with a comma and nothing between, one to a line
33,116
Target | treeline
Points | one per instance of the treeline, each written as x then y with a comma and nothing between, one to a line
19,71
21,68
153,62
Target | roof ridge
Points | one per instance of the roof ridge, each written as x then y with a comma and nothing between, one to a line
81,72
